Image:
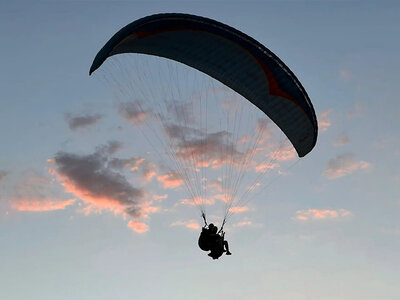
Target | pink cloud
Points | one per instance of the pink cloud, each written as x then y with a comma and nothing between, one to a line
3,174
243,224
341,140
230,104
253,186
191,224
134,112
264,167
356,110
343,165
40,204
223,197
323,121
198,201
346,74
147,208
37,194
321,214
202,149
243,140
160,197
283,153
170,180
263,129
138,226
218,185
147,170
90,179
239,209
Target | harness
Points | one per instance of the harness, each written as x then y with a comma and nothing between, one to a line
220,231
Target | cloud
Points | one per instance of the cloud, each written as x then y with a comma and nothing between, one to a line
191,224
170,180
39,205
243,224
81,121
138,226
322,214
204,149
89,178
265,166
160,197
181,112
341,140
346,74
147,208
214,149
230,105
239,209
3,174
198,201
283,153
210,200
146,169
218,185
243,140
356,110
36,193
134,112
343,165
263,130
323,121
175,131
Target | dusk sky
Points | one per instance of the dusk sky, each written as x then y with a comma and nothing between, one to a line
93,207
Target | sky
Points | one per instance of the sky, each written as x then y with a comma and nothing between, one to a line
90,210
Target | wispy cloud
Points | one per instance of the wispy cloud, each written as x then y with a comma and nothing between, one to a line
230,105
346,74
170,180
36,193
181,112
263,130
81,121
140,165
138,226
191,224
243,224
198,201
324,121
239,209
283,153
343,165
147,208
203,149
215,150
210,200
322,214
217,184
356,110
134,112
160,197
38,205
341,140
3,175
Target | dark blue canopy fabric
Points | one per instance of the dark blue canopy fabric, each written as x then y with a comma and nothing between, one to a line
231,57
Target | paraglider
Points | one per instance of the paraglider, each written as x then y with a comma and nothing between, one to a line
212,240
241,64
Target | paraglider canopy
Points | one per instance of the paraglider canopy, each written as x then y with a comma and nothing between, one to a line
231,57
